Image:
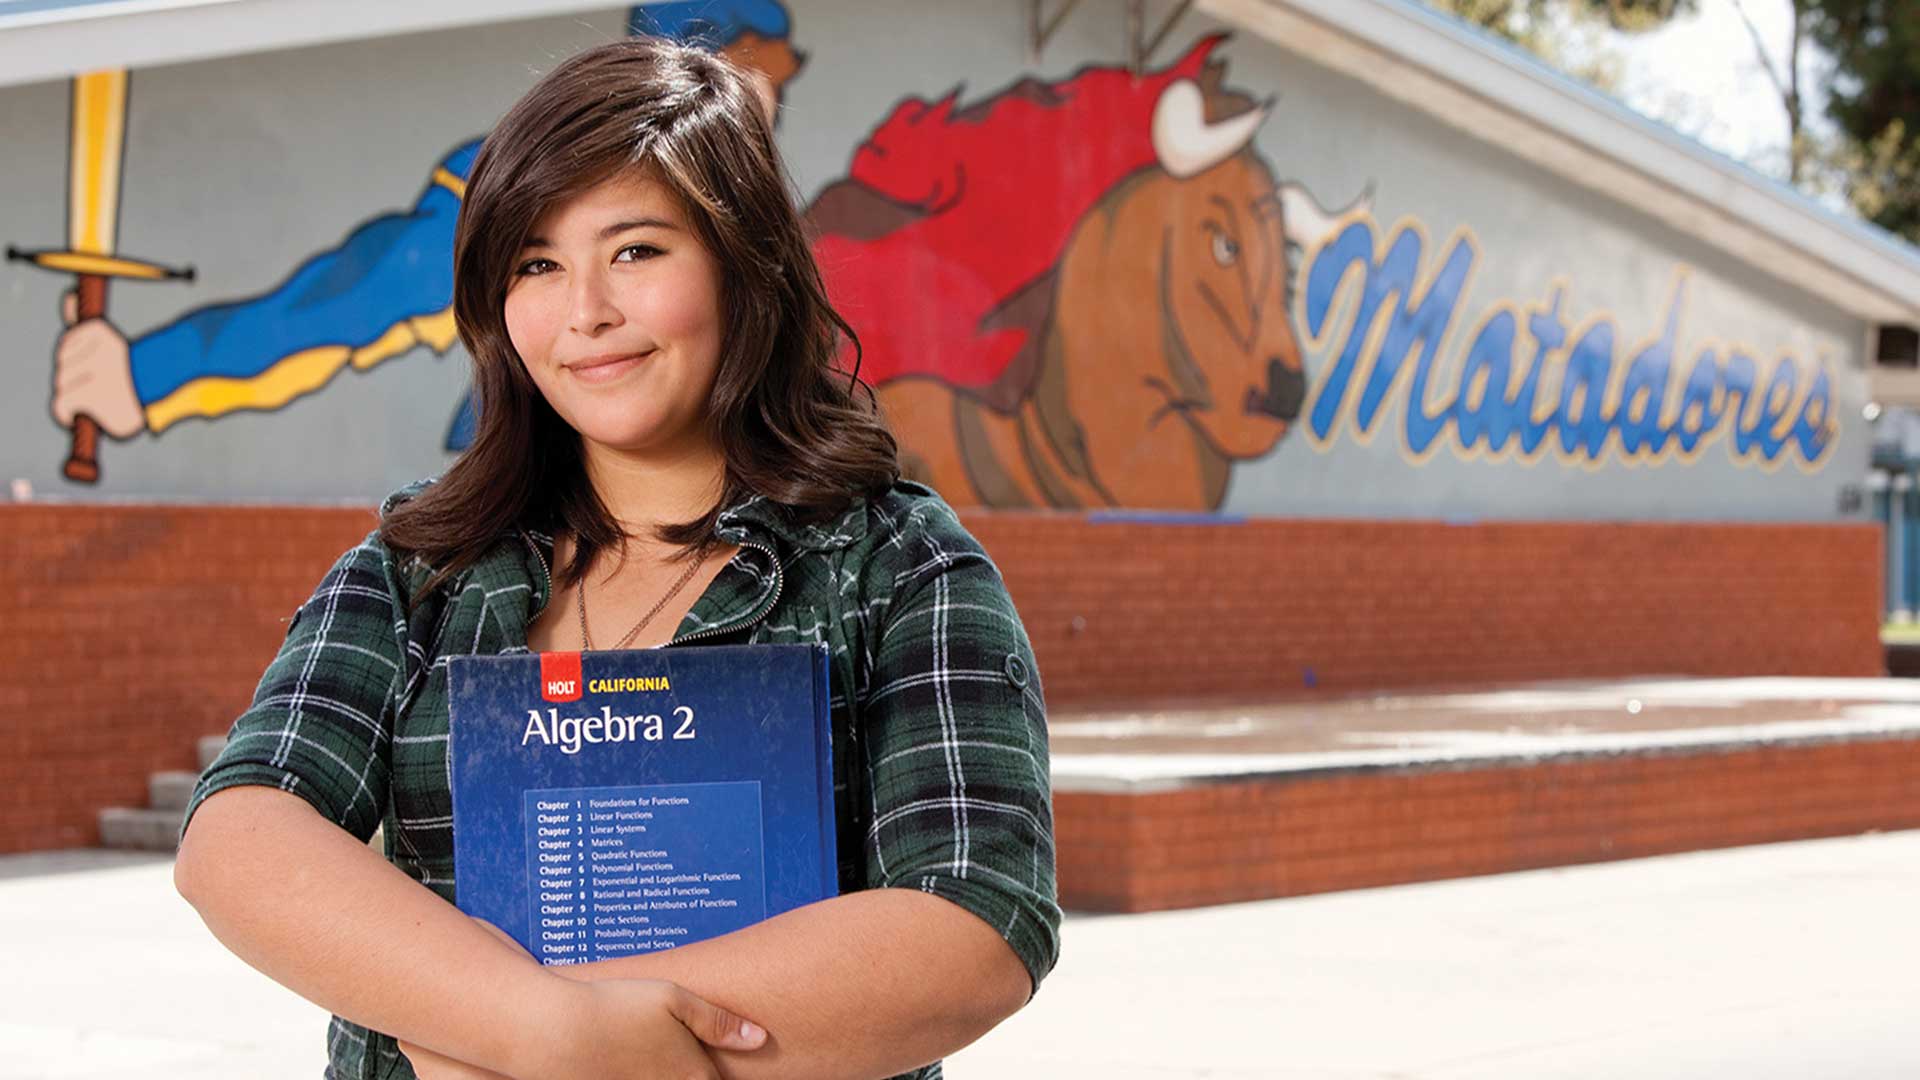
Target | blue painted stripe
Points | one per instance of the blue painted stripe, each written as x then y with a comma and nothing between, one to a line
15,14
24,7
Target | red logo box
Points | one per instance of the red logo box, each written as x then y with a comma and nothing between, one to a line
560,678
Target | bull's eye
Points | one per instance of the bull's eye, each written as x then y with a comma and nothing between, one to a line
1225,251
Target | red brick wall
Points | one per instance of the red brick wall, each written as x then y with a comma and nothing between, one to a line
1252,840
1169,611
129,631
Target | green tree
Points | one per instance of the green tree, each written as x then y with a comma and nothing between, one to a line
1509,16
1868,54
1802,149
1569,34
1875,104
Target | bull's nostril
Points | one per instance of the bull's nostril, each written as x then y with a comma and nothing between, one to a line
1286,392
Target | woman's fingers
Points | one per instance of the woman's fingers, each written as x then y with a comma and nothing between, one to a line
711,1024
626,1029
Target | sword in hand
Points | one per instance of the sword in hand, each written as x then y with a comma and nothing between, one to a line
88,350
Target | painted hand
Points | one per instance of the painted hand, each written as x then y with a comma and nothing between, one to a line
92,376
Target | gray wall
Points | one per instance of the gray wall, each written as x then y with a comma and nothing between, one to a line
246,167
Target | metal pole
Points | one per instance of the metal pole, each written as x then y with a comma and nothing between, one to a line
1879,484
1897,548
1910,554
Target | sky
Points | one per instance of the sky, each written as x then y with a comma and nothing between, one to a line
1702,75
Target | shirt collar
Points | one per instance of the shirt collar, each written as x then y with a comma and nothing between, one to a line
762,513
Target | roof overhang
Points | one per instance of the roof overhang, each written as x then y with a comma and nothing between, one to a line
56,39
1499,95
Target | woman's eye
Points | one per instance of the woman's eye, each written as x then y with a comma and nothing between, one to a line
639,251
534,267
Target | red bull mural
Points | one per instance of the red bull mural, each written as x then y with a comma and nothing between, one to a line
1106,258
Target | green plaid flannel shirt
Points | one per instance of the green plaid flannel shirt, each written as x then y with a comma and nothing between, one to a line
939,728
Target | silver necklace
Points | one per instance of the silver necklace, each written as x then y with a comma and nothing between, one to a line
580,595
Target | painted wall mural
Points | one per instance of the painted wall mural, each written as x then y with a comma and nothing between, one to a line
1090,291
384,291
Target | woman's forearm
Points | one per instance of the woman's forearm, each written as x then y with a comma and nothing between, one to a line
324,915
869,984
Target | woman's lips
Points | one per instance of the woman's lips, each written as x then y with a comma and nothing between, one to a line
607,369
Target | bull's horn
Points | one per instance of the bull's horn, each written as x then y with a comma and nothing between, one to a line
1307,222
1183,140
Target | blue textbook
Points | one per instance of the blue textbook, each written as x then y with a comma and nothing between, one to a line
611,803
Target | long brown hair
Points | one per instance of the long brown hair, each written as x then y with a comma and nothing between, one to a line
791,425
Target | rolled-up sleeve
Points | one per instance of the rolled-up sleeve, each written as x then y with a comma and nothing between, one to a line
956,744
321,722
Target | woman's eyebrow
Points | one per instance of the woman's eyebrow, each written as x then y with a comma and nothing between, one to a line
612,230
619,227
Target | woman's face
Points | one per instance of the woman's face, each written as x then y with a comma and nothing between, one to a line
614,308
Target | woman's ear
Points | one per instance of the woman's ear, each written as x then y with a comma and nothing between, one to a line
764,90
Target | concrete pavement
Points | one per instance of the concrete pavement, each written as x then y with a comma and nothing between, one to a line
1784,962
1787,962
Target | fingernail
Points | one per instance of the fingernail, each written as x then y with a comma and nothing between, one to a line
750,1031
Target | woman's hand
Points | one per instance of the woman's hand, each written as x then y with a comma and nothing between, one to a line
642,1029
625,1028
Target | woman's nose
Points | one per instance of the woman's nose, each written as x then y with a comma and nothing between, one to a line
590,306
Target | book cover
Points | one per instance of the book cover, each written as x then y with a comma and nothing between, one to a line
610,803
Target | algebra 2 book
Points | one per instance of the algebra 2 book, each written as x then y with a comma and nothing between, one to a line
621,802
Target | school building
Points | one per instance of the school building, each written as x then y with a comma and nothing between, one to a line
1277,350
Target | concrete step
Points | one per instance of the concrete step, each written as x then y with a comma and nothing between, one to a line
157,827
139,830
171,790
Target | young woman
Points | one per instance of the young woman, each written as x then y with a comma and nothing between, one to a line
667,454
